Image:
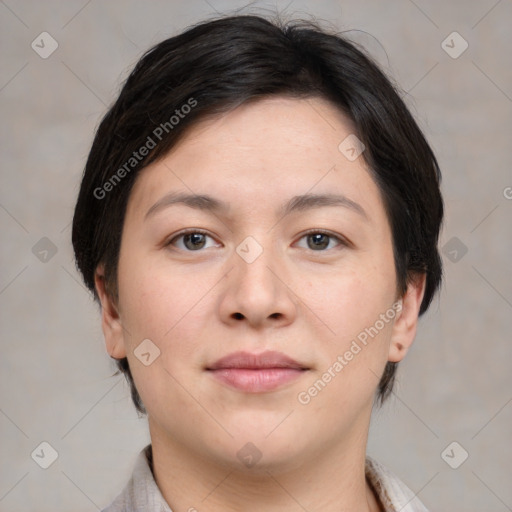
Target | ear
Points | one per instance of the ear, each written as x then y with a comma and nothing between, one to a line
110,319
404,328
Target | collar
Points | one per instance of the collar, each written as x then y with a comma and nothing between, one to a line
142,492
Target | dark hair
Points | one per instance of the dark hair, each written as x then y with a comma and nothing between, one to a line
217,65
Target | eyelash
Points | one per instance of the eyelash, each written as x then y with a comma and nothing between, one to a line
341,241
331,235
188,232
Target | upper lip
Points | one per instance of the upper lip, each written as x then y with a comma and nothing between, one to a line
267,359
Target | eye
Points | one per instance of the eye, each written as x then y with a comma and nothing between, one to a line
191,240
320,240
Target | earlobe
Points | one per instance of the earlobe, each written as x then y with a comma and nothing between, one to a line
111,323
404,328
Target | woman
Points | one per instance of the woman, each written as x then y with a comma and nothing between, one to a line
258,219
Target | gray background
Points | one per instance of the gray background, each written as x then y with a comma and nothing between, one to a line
56,379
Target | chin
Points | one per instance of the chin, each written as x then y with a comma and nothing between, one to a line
252,450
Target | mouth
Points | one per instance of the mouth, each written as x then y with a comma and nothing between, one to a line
256,373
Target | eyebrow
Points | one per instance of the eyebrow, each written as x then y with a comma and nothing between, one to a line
297,203
196,201
310,201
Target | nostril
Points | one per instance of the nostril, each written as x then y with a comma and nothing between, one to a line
238,316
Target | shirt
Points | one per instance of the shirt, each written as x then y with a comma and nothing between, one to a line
142,493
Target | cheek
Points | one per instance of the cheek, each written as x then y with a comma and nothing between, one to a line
166,309
155,297
350,301
346,382
169,308
356,344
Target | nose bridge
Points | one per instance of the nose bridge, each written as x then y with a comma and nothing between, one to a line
256,291
253,260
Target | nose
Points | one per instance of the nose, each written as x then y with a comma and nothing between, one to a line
258,293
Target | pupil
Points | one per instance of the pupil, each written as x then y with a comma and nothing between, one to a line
196,239
319,241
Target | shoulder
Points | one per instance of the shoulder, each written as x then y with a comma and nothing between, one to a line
392,492
141,492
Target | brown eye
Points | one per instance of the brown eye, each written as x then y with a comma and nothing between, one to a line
193,240
319,241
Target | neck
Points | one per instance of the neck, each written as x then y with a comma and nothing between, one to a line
333,480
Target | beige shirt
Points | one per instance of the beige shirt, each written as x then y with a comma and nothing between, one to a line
142,494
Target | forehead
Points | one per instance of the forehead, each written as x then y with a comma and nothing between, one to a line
270,128
269,150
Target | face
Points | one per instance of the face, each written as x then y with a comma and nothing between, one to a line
291,252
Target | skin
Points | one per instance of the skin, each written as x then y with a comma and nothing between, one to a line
199,305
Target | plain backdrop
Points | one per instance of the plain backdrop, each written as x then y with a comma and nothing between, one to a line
57,383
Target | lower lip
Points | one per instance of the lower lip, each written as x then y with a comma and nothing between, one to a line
256,381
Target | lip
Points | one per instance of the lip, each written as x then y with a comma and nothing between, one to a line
256,373
247,360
